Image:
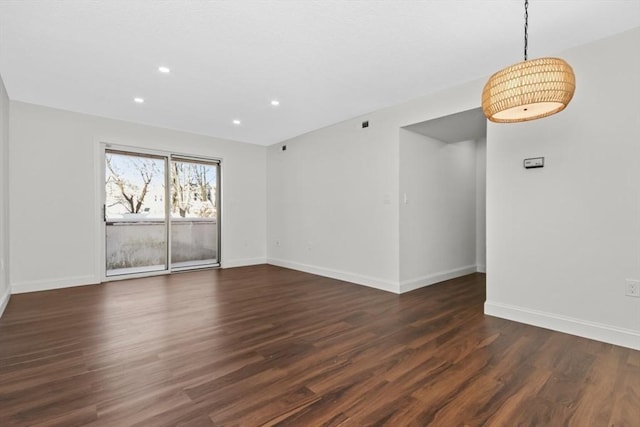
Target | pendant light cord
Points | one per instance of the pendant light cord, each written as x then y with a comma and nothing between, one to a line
526,27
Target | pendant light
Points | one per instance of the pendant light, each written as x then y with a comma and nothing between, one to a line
528,90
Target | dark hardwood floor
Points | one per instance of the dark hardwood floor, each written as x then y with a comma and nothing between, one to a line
264,345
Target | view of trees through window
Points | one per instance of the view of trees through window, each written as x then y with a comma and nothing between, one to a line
135,185
193,190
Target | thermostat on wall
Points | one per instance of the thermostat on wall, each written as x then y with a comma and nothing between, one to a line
534,162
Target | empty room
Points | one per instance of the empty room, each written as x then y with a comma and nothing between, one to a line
319,213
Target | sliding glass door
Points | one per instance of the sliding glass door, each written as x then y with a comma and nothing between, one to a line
161,213
134,213
194,213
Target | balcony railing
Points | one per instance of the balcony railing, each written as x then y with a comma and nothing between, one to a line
136,244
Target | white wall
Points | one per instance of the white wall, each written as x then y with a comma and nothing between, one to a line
332,205
4,198
481,205
338,189
438,216
561,240
54,206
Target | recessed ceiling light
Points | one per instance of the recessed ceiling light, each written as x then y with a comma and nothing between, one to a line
237,122
139,100
275,102
165,70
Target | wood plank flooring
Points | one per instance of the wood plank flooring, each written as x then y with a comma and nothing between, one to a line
265,345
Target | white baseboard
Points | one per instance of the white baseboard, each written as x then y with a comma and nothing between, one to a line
4,300
243,262
481,268
420,282
569,325
48,284
346,276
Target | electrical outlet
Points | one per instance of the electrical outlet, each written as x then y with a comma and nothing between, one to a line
633,288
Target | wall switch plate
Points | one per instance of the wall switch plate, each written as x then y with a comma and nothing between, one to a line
633,288
534,162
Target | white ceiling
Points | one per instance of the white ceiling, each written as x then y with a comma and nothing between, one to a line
324,60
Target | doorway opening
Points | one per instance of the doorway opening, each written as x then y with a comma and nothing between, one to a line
442,194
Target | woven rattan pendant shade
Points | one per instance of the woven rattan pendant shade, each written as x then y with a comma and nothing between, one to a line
528,90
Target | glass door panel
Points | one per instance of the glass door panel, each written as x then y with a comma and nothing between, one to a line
194,213
135,213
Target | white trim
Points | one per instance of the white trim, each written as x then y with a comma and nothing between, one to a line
481,268
4,300
45,285
569,325
99,198
132,147
243,262
372,282
420,282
